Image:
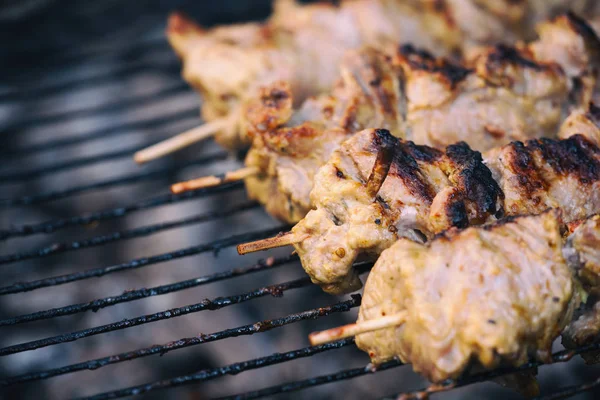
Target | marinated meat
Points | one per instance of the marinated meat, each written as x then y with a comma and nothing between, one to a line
490,295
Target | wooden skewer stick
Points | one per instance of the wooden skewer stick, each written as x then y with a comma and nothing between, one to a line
341,332
283,239
214,180
181,140
383,162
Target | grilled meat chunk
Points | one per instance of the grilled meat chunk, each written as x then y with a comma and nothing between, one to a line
493,295
427,191
506,96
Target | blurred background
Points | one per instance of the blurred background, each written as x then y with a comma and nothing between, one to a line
83,86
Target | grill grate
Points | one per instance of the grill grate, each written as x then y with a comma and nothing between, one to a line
120,64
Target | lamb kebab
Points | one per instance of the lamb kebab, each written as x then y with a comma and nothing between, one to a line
494,295
507,95
304,45
376,188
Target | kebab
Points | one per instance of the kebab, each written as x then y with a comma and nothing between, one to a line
304,45
376,188
491,296
507,95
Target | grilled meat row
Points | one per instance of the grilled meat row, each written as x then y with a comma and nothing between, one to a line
427,191
304,44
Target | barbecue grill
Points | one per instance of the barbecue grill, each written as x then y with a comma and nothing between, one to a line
75,207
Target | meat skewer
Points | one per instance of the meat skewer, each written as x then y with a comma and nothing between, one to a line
428,191
304,45
506,95
513,290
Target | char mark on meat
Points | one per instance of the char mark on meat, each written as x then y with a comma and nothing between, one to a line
575,156
419,59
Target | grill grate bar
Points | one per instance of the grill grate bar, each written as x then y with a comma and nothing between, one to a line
276,290
36,93
98,55
570,391
316,381
261,326
232,369
214,246
153,123
19,177
123,180
58,248
135,101
560,356
215,304
132,295
86,219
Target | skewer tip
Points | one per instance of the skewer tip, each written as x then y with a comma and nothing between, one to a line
283,239
183,139
341,332
214,180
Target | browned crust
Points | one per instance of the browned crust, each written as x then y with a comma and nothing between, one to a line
421,60
271,109
180,24
502,54
575,156
476,186
404,165
373,71
522,165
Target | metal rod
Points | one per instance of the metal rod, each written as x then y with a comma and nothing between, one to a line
113,75
86,55
17,177
132,295
214,246
88,136
169,198
560,356
316,381
570,391
135,101
215,304
109,183
250,329
58,248
212,373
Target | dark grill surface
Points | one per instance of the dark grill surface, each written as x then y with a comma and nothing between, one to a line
100,264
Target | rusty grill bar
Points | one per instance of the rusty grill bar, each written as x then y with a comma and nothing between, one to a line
276,291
